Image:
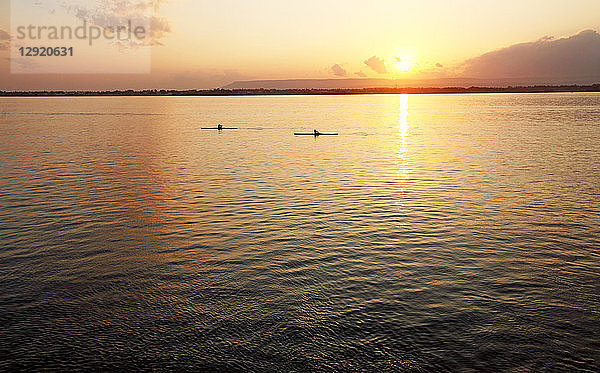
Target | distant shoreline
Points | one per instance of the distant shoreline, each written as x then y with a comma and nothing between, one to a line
308,92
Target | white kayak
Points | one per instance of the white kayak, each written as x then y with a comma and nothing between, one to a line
315,134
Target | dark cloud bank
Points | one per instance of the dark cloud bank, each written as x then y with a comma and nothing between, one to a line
574,59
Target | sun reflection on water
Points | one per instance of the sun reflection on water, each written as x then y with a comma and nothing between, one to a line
403,168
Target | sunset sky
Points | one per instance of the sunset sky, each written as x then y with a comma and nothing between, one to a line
205,44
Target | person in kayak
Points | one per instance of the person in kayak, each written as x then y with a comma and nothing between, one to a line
316,133
220,127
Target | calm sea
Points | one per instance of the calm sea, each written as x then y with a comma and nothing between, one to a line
436,232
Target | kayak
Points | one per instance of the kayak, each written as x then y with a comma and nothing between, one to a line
215,128
313,134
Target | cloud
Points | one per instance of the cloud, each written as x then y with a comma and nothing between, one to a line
4,40
377,65
120,12
577,56
159,29
338,70
361,74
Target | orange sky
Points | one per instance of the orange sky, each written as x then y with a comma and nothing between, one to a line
207,43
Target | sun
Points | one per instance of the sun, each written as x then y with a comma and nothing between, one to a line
404,59
402,64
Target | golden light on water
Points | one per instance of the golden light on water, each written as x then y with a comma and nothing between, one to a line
403,168
404,115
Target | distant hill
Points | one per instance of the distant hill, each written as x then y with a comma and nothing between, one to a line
360,83
343,83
